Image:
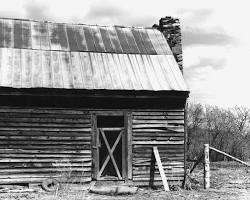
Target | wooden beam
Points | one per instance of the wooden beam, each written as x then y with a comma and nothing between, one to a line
206,167
95,151
113,129
129,145
124,155
157,142
225,154
152,170
162,173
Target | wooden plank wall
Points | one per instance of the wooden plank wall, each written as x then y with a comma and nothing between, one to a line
164,129
40,143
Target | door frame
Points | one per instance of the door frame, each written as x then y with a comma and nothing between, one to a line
95,143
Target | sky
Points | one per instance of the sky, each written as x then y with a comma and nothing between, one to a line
215,36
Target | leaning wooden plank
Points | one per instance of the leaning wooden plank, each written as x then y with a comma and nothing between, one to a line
162,173
225,154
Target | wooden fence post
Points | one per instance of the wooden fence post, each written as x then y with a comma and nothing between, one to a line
206,167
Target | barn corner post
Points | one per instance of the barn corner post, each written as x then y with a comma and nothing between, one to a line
185,143
206,167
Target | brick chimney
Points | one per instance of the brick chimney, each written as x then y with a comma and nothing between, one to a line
170,27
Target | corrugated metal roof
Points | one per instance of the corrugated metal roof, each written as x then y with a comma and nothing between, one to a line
53,55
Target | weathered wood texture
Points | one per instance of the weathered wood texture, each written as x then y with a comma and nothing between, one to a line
206,167
164,129
161,170
40,143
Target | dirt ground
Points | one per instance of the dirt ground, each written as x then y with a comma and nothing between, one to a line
229,181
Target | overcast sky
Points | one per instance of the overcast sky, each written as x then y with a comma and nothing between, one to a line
216,36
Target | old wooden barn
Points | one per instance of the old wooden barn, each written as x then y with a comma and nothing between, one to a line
86,102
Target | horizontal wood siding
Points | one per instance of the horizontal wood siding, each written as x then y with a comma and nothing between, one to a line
40,143
164,129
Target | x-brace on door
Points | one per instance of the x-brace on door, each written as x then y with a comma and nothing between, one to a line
111,147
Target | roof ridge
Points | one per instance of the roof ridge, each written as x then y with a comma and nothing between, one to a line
82,24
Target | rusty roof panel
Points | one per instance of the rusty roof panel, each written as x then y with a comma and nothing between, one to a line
44,36
122,39
97,39
26,35
71,38
17,34
131,40
8,33
1,33
26,67
17,70
80,38
139,41
114,39
54,36
155,42
35,35
37,75
106,40
89,38
62,36
47,69
88,70
66,70
163,43
147,42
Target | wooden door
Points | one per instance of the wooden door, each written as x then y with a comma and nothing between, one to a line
109,148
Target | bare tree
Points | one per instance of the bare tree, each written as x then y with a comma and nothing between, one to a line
225,129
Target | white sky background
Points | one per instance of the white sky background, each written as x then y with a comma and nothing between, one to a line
216,36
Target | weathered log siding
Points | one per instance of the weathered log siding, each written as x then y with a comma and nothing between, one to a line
165,129
39,143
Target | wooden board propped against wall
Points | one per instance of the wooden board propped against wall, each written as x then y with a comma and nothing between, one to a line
162,173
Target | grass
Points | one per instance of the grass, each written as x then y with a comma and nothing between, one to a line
229,181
